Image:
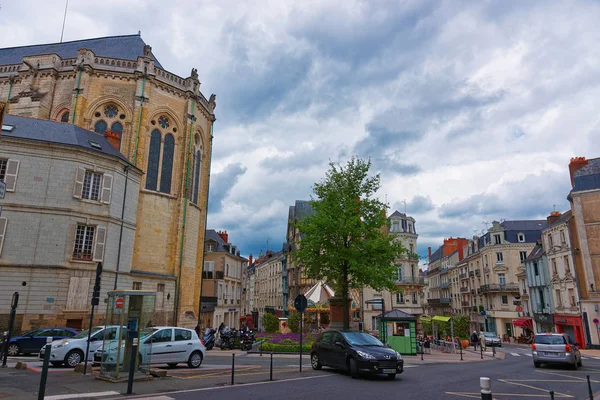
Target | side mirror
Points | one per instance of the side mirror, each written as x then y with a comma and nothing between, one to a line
339,344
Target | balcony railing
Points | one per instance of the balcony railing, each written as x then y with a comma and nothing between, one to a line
465,303
464,275
411,280
464,289
471,273
445,300
445,285
443,271
507,287
433,302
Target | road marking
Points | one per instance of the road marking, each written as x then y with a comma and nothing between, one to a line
528,355
512,395
584,358
80,395
235,386
567,376
515,354
596,358
155,398
558,394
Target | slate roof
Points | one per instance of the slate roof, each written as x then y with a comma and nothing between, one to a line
126,47
40,130
396,314
537,252
563,218
397,214
588,177
524,225
437,254
212,235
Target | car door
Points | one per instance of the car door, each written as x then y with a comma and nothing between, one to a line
324,349
37,341
338,350
182,345
162,346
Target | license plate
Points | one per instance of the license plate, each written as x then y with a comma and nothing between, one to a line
388,371
551,354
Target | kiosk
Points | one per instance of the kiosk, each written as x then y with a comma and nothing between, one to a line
130,312
398,330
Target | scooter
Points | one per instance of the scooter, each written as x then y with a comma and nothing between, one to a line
228,338
209,338
247,340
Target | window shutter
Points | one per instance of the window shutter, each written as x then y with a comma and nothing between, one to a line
3,223
79,177
107,182
99,241
10,178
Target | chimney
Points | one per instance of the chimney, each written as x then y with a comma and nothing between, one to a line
224,236
114,139
250,259
429,253
554,215
575,165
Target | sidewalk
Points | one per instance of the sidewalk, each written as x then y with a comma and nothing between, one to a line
468,355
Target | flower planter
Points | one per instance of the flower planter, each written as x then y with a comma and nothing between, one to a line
465,343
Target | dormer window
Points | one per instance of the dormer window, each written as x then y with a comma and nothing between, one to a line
210,247
395,226
521,237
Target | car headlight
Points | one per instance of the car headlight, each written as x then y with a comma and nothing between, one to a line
398,356
364,355
59,345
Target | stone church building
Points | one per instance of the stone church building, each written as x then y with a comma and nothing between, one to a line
160,122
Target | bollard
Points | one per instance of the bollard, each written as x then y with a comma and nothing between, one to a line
486,388
132,361
42,389
232,368
493,351
422,351
590,388
461,358
481,347
552,395
261,347
4,348
271,370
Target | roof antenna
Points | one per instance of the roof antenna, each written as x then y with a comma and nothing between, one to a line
64,20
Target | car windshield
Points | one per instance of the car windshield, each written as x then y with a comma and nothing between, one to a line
84,334
362,339
147,332
549,339
489,334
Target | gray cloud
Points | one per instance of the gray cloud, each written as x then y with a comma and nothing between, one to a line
221,184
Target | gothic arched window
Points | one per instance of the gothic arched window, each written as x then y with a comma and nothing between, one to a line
167,164
100,127
117,127
196,176
153,160
65,117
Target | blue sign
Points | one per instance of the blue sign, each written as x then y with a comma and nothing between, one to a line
49,299
483,312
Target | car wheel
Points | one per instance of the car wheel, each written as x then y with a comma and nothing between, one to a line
56,363
195,360
353,369
580,363
172,365
537,364
314,362
222,346
391,377
13,349
73,358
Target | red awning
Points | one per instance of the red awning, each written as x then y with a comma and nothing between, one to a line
526,323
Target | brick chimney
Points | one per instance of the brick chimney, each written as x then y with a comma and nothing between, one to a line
429,253
554,215
250,259
575,165
114,139
224,236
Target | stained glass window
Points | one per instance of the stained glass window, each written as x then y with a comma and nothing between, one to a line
163,122
65,117
117,127
100,127
153,160
167,164
111,111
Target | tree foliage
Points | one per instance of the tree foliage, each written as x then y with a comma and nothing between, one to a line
344,240
461,326
270,323
294,321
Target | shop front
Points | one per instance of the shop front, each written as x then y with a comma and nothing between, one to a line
543,322
572,326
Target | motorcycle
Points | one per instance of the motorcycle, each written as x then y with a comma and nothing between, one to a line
228,336
247,340
209,338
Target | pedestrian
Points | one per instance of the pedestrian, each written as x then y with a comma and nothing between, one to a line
482,341
198,330
474,340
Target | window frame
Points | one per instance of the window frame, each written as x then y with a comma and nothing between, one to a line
82,245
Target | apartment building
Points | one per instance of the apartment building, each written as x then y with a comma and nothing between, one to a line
297,281
221,300
268,285
538,296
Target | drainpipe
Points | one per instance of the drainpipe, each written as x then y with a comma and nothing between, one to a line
186,197
77,89
126,168
206,216
137,135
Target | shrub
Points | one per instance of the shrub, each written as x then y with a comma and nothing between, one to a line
284,348
270,323
287,341
294,321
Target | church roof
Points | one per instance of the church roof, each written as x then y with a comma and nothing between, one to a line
126,47
57,132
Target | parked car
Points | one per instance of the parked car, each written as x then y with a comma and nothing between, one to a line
356,352
71,351
160,345
33,341
492,340
555,348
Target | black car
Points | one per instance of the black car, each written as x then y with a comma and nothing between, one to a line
356,352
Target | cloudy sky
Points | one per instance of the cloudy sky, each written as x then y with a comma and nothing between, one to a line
469,110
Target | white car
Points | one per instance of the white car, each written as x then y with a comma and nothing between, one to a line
160,345
71,351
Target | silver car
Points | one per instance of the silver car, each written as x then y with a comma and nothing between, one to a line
555,348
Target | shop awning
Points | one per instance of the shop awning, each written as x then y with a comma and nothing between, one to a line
425,319
441,319
526,323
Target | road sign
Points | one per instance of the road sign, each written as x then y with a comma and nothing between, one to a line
596,321
119,302
519,309
300,303
2,189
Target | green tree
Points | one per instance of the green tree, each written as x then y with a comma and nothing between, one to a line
270,323
461,326
344,240
294,321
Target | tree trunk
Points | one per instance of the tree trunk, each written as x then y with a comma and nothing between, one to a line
346,305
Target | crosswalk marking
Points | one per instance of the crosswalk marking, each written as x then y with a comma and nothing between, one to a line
596,358
528,355
515,354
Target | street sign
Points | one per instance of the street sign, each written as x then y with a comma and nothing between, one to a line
596,321
119,302
300,303
519,309
2,189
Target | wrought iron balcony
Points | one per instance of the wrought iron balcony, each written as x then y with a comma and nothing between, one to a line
464,275
445,285
411,280
507,287
445,300
443,271
471,273
464,289
465,303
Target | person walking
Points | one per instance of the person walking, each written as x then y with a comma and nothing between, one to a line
482,341
474,340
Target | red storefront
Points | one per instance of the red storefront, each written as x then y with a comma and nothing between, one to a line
570,325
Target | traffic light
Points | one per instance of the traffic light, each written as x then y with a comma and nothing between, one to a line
96,293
